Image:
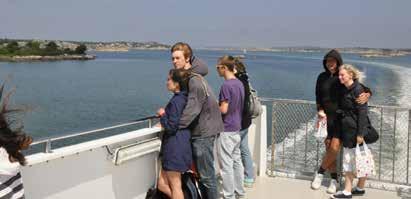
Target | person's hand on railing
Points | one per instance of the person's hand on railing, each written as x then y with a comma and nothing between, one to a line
161,112
360,139
25,143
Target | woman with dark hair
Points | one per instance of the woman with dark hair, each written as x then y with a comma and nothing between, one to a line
176,154
12,141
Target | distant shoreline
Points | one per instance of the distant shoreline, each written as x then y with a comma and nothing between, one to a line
362,52
31,58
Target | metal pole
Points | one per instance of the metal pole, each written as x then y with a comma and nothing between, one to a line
393,152
340,172
318,151
294,151
380,154
305,146
408,145
47,146
273,125
283,159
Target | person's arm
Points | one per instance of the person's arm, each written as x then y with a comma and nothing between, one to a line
362,119
318,94
196,99
320,110
224,99
223,107
169,120
364,97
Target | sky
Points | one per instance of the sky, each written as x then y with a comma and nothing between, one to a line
213,23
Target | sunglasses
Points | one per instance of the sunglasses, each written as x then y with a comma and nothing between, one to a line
219,66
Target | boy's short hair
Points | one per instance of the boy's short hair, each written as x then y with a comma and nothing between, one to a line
187,51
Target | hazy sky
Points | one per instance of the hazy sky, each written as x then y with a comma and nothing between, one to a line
252,23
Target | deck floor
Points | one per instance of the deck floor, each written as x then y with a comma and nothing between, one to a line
278,188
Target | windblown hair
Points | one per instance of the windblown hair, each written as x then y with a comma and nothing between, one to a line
231,63
13,140
180,76
187,51
354,72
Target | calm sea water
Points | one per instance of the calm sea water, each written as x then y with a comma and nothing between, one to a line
72,96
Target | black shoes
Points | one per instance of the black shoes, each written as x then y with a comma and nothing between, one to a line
356,192
341,194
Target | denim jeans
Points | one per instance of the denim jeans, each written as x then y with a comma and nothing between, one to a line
203,157
246,156
232,170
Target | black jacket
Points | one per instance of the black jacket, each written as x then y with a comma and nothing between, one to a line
354,116
328,85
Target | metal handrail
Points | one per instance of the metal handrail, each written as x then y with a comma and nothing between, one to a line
49,140
296,101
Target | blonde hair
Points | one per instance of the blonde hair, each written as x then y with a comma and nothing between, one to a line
354,72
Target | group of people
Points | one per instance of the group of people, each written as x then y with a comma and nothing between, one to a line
341,100
195,121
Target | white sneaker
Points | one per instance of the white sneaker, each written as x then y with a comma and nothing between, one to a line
318,179
332,189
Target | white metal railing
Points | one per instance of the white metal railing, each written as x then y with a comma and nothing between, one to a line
47,142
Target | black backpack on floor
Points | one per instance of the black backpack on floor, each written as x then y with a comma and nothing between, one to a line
190,186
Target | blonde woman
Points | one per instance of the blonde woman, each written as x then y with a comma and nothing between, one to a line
354,124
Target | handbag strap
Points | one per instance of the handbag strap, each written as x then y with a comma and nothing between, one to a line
364,146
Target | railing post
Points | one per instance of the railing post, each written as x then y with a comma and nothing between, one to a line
380,154
305,147
408,145
273,125
295,151
47,146
150,123
261,139
393,152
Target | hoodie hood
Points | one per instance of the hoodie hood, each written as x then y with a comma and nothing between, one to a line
199,66
333,54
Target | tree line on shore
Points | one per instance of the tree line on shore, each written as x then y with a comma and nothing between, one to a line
30,48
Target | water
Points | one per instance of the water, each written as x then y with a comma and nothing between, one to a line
73,96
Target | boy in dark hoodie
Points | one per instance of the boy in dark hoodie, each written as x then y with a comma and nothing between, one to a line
327,92
201,115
